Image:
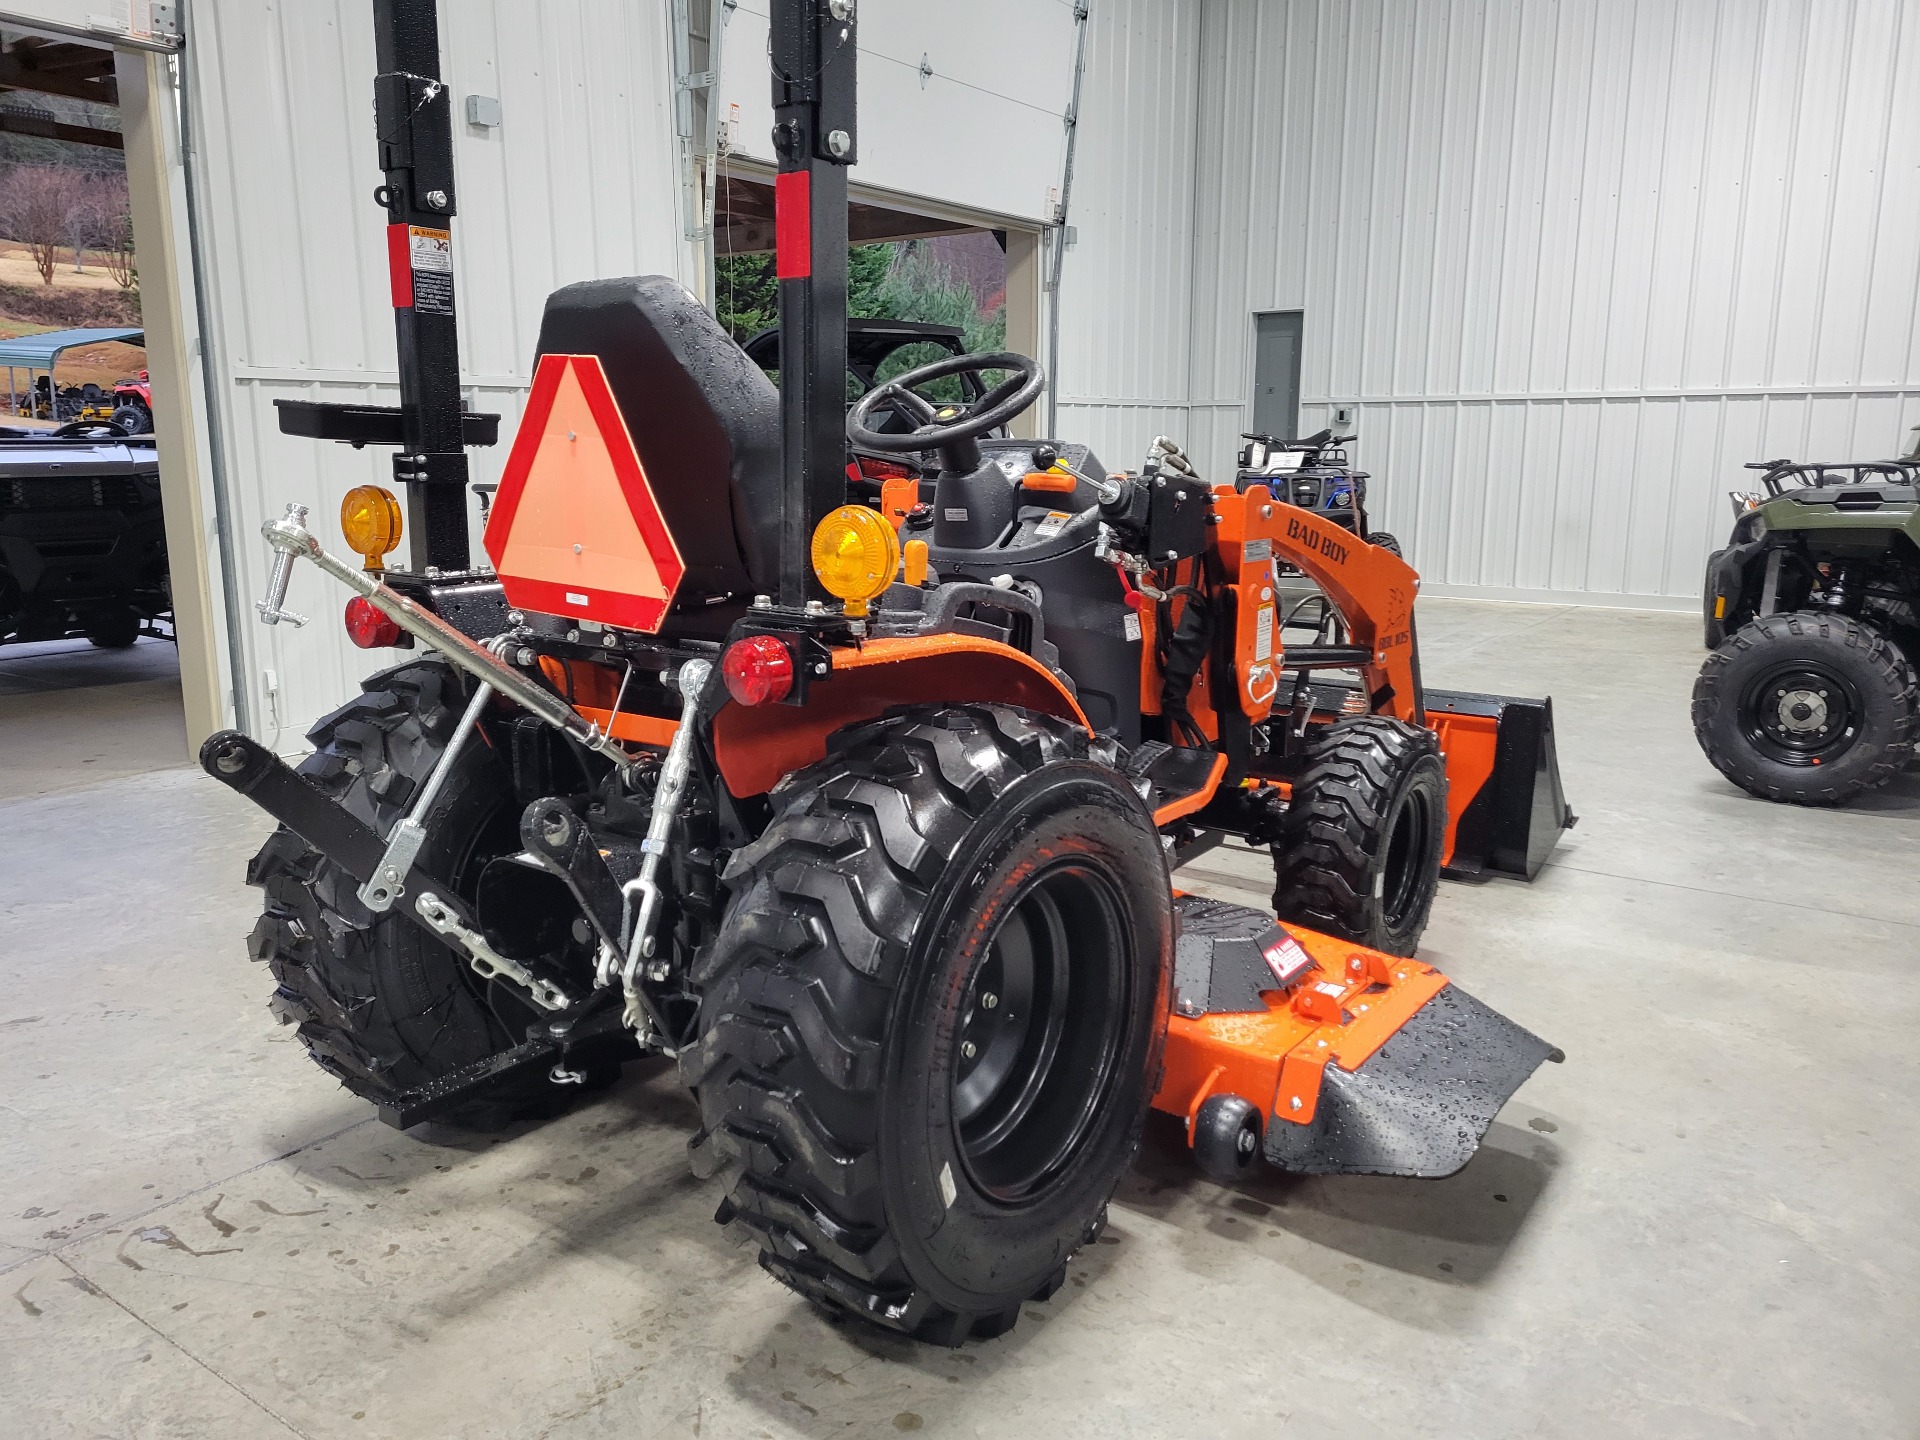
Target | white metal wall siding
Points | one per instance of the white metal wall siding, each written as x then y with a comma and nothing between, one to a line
1574,261
579,182
100,19
982,131
1124,329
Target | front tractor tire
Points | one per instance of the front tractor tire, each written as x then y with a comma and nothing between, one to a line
931,1021
1807,709
1360,843
380,1005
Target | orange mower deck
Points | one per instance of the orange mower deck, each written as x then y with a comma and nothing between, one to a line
1355,1061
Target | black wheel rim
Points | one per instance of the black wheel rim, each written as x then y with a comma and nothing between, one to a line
1801,713
1041,1028
1404,870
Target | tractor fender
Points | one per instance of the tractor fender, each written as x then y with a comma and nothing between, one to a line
756,746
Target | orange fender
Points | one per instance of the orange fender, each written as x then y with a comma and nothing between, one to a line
757,745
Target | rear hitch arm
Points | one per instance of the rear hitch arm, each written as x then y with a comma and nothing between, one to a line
389,879
250,768
289,535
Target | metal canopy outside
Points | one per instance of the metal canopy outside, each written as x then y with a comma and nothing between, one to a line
37,352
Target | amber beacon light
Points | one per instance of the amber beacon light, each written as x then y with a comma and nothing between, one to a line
856,555
370,520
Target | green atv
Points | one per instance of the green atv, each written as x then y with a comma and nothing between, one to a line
1812,613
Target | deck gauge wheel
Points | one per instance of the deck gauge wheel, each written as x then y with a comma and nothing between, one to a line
1226,1137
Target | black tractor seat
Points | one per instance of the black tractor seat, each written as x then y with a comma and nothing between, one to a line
705,420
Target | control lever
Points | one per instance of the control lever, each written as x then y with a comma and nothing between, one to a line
273,609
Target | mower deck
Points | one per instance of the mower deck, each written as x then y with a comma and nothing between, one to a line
1358,1062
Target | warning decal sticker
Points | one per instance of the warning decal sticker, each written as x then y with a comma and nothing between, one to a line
430,257
1287,960
1055,522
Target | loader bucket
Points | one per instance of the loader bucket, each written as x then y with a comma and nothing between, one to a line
1507,808
1357,1062
1422,1102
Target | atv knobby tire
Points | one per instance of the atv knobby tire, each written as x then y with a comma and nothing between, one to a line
1360,842
898,1156
1863,708
381,1005
112,629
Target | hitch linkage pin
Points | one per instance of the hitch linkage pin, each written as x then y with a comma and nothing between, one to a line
273,609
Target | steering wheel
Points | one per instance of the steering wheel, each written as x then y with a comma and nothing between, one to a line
75,428
945,428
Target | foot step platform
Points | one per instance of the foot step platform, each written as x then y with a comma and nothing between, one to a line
1177,779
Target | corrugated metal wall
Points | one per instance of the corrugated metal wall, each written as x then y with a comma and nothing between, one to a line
1574,260
1124,372
579,182
977,128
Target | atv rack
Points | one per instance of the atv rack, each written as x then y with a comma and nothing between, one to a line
1821,474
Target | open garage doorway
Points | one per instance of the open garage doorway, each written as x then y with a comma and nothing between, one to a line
922,282
89,665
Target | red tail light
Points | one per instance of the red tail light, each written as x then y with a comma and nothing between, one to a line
758,670
368,628
874,468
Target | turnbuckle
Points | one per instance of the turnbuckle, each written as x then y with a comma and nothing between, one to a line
666,808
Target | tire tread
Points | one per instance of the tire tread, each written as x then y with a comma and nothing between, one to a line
801,975
1883,659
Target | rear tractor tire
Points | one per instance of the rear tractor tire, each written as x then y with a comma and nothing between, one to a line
931,1021
1360,843
1807,709
380,1005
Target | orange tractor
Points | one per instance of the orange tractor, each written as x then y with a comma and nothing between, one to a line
864,812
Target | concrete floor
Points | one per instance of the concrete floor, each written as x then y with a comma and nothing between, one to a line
1702,1224
71,715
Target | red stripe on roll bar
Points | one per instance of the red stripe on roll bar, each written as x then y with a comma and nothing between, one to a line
793,225
400,265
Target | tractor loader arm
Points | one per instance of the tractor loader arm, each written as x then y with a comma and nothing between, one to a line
1372,588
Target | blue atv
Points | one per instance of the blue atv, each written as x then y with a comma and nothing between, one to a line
1314,474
